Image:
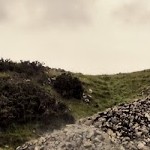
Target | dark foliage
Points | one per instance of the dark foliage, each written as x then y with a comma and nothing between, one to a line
68,86
27,67
24,102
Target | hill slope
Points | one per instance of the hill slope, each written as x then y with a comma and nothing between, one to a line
28,82
110,90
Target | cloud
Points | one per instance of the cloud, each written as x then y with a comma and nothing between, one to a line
3,9
48,12
134,12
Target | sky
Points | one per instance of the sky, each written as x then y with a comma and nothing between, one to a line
87,36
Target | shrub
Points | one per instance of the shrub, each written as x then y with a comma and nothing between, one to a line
68,86
27,67
25,102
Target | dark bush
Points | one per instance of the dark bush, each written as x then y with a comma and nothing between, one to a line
68,86
27,67
25,102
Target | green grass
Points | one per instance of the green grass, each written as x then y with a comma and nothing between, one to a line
110,90
4,75
17,134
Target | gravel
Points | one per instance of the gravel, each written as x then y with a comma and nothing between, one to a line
123,127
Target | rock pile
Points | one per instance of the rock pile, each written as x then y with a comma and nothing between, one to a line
86,97
128,124
125,127
73,137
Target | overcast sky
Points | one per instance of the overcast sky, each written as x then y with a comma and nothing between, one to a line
88,36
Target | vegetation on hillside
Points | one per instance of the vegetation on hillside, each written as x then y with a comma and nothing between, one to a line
25,102
28,100
26,67
68,86
110,90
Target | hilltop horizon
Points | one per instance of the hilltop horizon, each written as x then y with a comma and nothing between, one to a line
82,36
97,72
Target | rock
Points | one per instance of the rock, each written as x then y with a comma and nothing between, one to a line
96,140
141,146
87,145
87,100
122,148
111,133
36,148
124,127
90,91
6,146
147,116
90,134
17,148
138,134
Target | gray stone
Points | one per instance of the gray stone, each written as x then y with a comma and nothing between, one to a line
124,127
87,144
141,146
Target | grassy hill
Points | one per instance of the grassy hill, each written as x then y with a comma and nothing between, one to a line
30,104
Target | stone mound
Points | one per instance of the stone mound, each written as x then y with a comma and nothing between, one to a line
73,137
125,127
126,124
